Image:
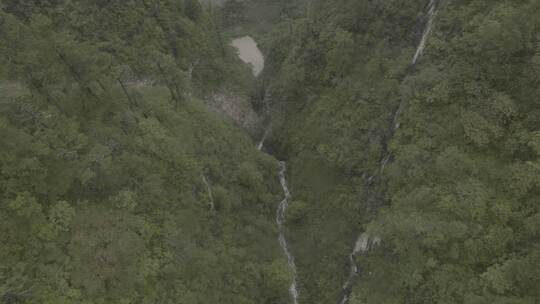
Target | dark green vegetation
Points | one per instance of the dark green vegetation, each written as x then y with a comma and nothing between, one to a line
255,17
458,206
116,184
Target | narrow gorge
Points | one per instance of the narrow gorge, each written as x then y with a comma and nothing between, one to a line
249,52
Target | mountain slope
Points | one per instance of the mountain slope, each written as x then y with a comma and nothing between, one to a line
117,185
455,205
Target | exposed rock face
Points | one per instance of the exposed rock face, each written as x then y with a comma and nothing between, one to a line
235,106
249,52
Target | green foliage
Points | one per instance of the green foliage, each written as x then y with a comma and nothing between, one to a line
104,143
456,204
118,186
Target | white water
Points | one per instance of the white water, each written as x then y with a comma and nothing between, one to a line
263,139
432,11
266,111
361,246
249,52
363,243
210,194
280,220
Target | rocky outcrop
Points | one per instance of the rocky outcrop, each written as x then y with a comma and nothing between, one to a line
236,107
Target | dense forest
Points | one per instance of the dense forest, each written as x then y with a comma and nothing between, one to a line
408,134
457,206
117,184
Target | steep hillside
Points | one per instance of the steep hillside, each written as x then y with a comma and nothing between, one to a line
116,184
438,160
407,134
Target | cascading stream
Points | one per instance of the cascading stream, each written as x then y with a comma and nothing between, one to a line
266,110
260,145
432,11
280,220
250,53
210,194
281,213
364,243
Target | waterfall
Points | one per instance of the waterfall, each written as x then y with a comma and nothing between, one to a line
250,53
267,99
210,194
364,243
432,11
263,139
361,247
280,220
